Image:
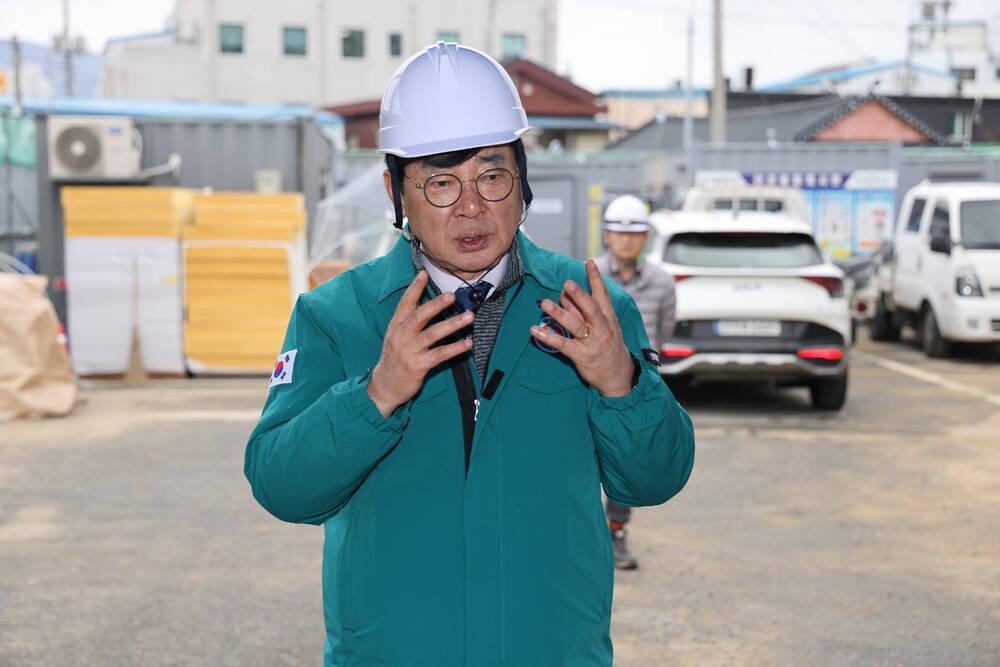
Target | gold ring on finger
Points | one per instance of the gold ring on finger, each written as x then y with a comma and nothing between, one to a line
584,336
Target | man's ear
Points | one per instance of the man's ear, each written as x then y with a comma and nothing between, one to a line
387,181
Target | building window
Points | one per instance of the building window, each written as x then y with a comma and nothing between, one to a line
230,38
447,36
294,40
964,73
395,44
353,42
512,45
961,125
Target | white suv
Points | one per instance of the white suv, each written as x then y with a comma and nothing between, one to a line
756,300
946,267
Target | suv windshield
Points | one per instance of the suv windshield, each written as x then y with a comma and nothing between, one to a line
981,224
742,250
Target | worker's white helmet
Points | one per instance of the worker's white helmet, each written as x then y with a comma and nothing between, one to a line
446,98
626,214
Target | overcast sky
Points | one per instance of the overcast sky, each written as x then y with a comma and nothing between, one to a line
615,43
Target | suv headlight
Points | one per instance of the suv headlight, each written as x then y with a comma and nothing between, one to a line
967,284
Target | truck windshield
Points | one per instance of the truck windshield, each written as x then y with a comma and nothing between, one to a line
742,250
981,224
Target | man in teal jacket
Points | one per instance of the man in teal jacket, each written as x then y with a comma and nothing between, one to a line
450,411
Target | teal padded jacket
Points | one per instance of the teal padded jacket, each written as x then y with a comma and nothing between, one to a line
425,563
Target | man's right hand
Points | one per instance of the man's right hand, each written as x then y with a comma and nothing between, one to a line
407,355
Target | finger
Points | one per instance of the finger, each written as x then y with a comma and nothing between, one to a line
571,320
585,303
436,332
599,290
570,307
446,352
569,347
419,318
411,297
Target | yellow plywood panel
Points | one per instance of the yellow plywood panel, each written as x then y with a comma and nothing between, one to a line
238,302
250,218
280,200
235,271
195,233
251,285
201,344
100,195
235,253
265,320
129,214
76,230
221,332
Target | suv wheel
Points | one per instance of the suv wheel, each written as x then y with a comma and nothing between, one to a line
829,393
934,344
884,326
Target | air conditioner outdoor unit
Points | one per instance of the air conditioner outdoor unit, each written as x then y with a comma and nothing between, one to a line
98,147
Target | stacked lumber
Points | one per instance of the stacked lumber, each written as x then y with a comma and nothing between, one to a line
244,266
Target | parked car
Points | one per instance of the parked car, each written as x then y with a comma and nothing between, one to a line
748,197
756,300
945,270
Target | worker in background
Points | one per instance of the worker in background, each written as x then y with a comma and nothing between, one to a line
626,232
450,411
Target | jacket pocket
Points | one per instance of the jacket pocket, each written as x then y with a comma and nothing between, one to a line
354,565
549,377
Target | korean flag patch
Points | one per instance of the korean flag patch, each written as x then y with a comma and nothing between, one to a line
283,367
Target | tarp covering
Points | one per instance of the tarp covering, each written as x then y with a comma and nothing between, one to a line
35,376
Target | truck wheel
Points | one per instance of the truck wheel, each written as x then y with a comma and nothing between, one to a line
829,393
934,344
883,325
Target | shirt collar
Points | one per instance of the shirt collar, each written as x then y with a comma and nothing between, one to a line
400,266
449,283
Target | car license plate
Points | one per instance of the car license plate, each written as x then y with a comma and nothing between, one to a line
770,328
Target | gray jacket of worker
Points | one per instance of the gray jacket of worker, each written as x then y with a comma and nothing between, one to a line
652,289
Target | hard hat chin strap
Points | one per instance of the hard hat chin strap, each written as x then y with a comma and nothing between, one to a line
393,165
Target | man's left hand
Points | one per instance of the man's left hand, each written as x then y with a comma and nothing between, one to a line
597,348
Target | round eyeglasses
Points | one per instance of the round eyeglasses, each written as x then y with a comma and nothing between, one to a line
443,190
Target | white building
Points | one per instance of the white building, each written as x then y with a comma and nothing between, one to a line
315,53
961,48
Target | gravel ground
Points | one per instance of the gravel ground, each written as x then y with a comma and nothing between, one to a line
868,537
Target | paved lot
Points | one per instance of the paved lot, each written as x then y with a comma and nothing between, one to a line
868,537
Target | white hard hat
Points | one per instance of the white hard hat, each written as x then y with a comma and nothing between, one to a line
446,98
626,214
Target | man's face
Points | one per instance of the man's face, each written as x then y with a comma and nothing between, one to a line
625,246
470,236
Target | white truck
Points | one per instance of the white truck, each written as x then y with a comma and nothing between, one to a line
943,275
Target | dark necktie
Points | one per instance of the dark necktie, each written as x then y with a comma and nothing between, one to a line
471,297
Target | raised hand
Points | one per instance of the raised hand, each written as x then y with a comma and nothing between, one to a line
407,354
597,349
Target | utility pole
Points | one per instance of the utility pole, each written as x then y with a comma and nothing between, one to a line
15,47
688,91
719,84
67,52
491,27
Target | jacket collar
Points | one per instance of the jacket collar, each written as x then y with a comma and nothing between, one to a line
400,272
538,265
614,267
